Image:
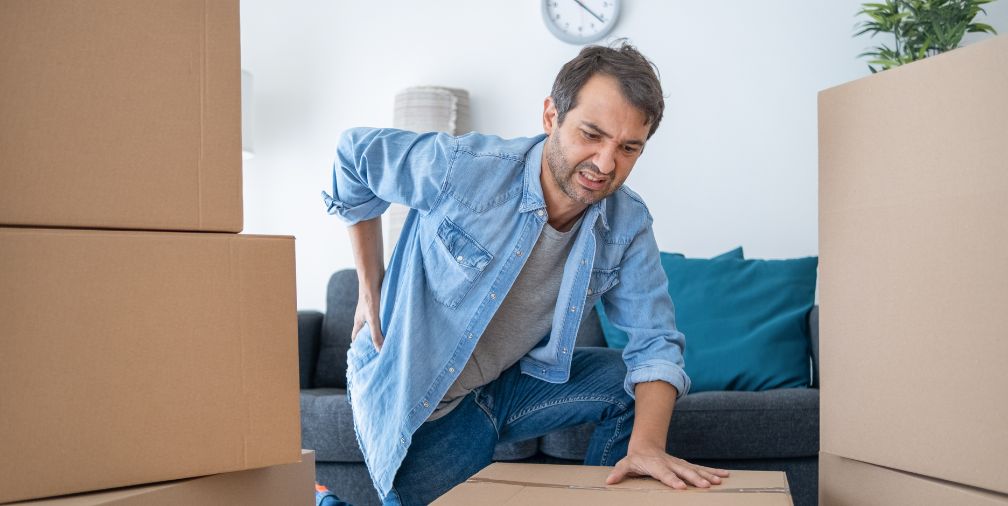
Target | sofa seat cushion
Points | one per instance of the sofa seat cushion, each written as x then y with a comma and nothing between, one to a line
516,450
780,423
327,425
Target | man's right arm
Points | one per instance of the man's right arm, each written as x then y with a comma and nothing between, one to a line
375,167
366,239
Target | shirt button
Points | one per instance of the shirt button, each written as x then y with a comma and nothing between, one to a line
493,295
540,212
584,262
402,440
426,404
470,336
573,309
589,291
451,369
518,253
563,350
544,371
460,258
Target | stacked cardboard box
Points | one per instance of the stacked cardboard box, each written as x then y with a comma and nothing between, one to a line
143,338
914,264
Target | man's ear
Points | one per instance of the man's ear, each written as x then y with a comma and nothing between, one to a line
549,115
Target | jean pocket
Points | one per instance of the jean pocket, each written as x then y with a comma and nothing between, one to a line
453,262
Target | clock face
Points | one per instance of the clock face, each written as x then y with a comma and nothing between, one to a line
580,21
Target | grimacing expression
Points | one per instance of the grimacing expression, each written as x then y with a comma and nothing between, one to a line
593,151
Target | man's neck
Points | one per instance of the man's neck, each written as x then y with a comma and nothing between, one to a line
562,211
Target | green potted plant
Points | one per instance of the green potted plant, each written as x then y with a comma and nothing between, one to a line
920,28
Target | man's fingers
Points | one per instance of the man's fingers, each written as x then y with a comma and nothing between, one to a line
670,478
709,476
376,334
691,475
618,473
716,472
357,325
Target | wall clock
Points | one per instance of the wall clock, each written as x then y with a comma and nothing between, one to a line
580,21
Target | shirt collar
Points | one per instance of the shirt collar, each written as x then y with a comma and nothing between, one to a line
532,195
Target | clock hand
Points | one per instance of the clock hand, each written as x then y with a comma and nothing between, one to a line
589,11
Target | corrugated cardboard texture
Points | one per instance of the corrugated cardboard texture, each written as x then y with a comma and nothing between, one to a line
914,267
845,482
121,114
135,357
524,484
282,485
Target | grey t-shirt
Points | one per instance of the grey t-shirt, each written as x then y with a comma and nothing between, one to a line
524,318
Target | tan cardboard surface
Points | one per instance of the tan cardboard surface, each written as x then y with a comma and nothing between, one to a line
136,357
845,482
914,267
120,114
281,485
524,484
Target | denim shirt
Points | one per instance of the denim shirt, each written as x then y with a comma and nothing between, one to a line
477,208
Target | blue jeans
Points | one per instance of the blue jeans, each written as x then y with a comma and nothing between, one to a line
515,407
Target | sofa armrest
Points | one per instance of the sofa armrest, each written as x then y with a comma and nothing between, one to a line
813,323
309,336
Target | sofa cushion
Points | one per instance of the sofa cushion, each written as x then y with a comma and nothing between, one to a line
517,450
744,320
780,423
341,304
327,425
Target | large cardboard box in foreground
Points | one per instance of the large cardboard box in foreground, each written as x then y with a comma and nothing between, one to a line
136,357
846,482
281,485
914,267
121,114
523,484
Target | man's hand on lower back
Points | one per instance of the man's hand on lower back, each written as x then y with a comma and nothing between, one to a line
672,471
367,312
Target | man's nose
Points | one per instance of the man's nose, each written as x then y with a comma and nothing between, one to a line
605,159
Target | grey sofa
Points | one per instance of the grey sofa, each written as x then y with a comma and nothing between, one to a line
770,430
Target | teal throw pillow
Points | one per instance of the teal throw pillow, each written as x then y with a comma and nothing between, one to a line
744,320
616,338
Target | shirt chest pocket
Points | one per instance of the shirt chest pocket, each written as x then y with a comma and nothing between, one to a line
601,281
453,262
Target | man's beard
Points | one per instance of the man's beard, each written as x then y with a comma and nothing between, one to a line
564,175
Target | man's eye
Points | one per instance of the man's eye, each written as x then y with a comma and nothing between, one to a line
590,136
629,150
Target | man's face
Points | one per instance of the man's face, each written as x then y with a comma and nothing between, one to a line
592,153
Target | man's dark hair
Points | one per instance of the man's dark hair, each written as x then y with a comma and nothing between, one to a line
637,76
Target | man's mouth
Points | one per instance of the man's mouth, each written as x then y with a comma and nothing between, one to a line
592,180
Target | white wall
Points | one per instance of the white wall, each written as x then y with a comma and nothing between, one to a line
734,162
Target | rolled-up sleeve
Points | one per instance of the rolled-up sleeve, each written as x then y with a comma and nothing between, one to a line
376,167
641,306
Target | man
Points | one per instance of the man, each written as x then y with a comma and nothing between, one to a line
468,339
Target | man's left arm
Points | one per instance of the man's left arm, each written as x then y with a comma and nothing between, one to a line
646,454
640,306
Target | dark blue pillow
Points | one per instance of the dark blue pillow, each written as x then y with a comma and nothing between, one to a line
744,320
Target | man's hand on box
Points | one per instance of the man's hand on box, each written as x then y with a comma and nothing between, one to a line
672,471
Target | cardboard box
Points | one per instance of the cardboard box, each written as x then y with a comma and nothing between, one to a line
136,357
846,482
282,485
121,114
522,484
914,264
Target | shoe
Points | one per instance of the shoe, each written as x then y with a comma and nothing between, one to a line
323,497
